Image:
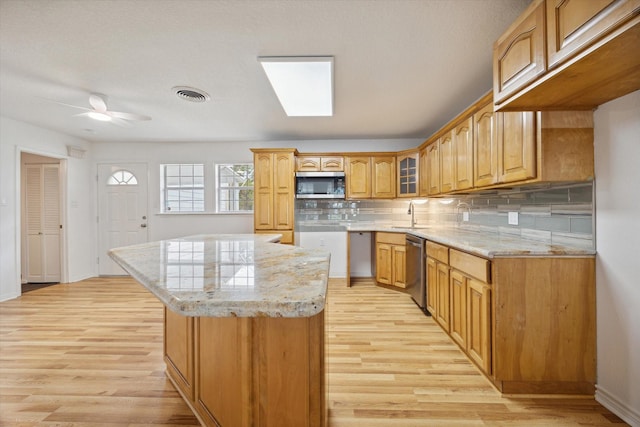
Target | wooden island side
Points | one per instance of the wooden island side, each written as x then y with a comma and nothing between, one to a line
243,325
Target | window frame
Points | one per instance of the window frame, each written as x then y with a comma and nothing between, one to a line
219,189
165,188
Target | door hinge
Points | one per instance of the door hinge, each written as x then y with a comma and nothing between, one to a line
60,226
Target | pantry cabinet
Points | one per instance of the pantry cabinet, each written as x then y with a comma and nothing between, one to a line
568,55
274,195
391,259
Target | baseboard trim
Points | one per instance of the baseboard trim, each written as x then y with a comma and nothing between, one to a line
612,403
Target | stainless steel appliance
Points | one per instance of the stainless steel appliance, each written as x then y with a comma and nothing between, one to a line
320,185
415,270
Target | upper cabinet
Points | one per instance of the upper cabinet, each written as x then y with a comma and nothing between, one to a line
463,154
358,177
518,56
408,167
319,163
568,54
370,177
488,149
383,177
485,147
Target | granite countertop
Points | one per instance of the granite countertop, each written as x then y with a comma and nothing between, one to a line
482,243
230,275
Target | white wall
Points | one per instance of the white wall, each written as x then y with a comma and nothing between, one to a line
165,226
16,137
617,162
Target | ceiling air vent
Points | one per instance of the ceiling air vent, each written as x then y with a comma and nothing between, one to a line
191,94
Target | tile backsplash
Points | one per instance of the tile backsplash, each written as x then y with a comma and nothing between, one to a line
561,214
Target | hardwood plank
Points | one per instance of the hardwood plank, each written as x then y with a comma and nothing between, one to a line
90,353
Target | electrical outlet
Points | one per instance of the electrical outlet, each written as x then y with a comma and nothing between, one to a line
465,216
513,218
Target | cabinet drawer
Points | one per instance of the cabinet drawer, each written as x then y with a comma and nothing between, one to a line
438,252
392,238
471,265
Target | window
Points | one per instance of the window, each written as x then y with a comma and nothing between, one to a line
234,187
182,187
122,177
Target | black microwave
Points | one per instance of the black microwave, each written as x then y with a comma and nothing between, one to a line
320,185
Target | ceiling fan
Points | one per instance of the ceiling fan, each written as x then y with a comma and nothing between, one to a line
99,111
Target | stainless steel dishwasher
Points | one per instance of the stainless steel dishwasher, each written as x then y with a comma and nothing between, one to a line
415,269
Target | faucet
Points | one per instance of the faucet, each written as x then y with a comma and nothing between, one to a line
412,212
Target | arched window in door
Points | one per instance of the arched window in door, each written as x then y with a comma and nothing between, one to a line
122,177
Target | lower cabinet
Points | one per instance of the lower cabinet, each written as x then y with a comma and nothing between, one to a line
242,371
178,351
528,323
391,259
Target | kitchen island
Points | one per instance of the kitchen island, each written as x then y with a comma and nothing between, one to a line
243,323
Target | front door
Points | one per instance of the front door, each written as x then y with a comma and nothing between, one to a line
122,211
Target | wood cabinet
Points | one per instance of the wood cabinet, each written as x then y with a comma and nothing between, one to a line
516,146
274,182
463,155
479,323
526,333
408,178
447,163
518,55
438,299
458,310
319,163
568,55
423,172
244,371
433,168
383,177
391,259
358,177
370,177
178,351
485,147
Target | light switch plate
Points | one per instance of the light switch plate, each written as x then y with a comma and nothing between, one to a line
513,218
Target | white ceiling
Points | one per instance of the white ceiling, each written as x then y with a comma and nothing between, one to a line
402,68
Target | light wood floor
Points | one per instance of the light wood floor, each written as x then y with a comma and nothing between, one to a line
90,353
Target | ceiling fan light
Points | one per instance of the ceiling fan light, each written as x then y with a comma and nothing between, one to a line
95,115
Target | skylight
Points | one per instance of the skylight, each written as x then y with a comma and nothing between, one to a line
303,85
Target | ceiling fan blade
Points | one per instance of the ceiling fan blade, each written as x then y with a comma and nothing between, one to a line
69,105
128,116
98,102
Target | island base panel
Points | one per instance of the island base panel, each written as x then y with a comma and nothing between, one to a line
259,371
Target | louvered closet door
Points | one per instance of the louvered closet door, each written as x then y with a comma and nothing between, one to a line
42,211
